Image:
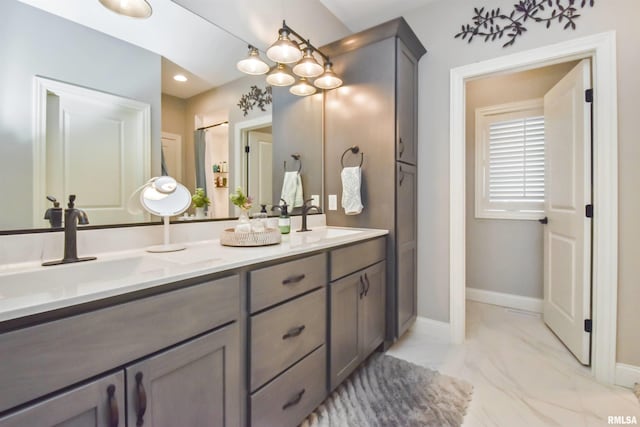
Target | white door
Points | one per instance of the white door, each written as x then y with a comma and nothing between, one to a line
99,139
259,165
172,152
567,236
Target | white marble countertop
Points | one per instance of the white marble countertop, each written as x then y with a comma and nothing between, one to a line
28,288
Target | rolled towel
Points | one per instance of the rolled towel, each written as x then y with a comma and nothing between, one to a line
292,189
351,182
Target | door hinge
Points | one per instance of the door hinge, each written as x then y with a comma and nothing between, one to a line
588,95
247,149
587,325
588,211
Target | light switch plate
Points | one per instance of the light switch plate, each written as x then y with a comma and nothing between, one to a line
333,202
315,200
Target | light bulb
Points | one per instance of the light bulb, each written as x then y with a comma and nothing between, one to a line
328,80
302,88
279,76
308,66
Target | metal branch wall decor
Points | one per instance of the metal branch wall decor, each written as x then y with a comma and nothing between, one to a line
493,24
255,97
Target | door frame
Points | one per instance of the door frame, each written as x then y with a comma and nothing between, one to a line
601,49
239,135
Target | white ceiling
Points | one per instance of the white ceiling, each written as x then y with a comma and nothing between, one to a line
358,15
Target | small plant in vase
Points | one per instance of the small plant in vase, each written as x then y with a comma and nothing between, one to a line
242,201
200,201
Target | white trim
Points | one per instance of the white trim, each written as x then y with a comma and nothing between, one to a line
433,328
505,300
42,85
601,48
627,375
238,129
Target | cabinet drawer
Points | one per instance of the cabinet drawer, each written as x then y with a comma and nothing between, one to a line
345,261
271,285
47,357
288,399
283,335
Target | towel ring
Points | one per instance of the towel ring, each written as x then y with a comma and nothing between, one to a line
297,157
355,150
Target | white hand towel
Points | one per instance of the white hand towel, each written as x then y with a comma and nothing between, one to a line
292,189
351,182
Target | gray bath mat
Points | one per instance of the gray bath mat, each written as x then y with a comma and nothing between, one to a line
388,392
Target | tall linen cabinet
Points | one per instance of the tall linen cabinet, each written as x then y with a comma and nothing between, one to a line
376,110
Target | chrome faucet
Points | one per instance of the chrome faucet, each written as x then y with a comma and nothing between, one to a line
306,207
72,217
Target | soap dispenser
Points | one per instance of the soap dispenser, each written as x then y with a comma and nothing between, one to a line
284,222
54,214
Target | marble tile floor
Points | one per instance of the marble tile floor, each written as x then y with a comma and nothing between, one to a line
521,373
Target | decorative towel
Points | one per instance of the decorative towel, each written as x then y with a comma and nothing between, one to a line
292,189
351,181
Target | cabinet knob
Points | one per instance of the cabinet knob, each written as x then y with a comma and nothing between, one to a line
141,400
113,406
294,401
294,332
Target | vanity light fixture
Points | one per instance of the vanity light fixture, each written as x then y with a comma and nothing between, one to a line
180,78
328,80
253,64
280,76
308,66
132,8
291,48
302,88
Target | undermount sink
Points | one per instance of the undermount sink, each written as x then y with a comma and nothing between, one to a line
76,278
319,234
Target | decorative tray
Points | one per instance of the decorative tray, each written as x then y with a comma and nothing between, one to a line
270,236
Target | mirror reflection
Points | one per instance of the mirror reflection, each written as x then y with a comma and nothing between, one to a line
92,104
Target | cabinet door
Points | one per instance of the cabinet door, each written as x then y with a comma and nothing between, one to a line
99,403
406,232
194,384
373,308
407,105
345,339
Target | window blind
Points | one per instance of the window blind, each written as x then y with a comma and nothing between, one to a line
516,160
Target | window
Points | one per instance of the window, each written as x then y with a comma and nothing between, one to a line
510,161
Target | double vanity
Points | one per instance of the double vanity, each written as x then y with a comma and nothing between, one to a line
209,336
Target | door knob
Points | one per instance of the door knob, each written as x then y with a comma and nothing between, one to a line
544,220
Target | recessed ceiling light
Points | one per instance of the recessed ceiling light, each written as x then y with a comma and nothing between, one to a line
132,8
180,78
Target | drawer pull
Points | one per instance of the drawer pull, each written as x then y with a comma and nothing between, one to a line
361,287
401,143
294,401
113,406
293,332
141,400
293,279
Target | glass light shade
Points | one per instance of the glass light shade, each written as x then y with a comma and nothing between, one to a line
280,76
308,66
132,8
328,80
302,88
284,50
253,64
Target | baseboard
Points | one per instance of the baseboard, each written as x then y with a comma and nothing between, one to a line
434,328
505,300
627,375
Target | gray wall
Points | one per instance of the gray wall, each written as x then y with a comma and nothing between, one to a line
435,24
33,43
504,255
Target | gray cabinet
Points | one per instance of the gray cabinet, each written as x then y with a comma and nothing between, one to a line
380,65
99,403
194,384
357,320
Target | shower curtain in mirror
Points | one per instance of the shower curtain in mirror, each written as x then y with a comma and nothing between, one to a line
200,149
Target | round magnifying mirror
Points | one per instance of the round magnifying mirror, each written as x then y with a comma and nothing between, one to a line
158,200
